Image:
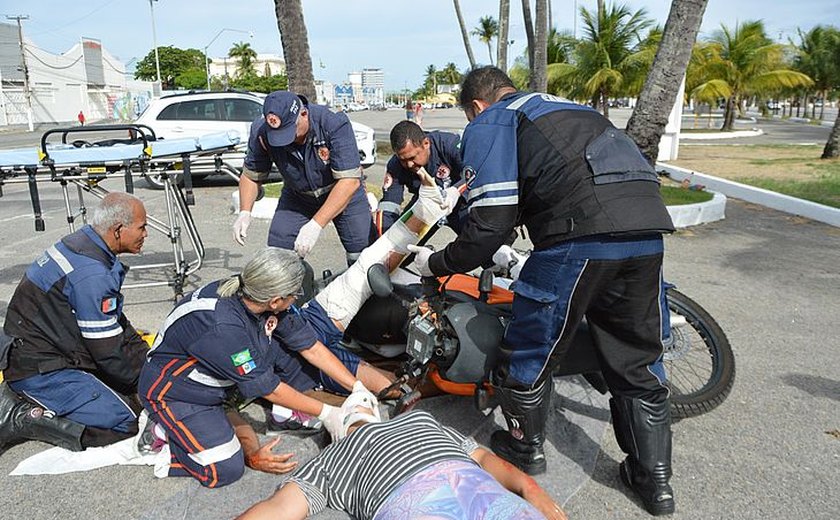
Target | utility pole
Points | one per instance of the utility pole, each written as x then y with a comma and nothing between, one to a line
27,93
154,42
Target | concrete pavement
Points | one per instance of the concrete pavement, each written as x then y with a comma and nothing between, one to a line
772,449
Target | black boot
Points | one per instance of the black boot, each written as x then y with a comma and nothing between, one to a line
643,431
525,412
21,420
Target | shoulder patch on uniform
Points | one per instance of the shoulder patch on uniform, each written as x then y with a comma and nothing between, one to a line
469,175
324,154
241,357
109,304
243,362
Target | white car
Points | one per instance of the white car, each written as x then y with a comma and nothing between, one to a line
194,114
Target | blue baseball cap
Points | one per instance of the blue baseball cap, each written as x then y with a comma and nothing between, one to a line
281,110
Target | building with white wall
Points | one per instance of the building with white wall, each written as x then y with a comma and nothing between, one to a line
264,65
86,78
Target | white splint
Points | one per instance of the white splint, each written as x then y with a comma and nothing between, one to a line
344,296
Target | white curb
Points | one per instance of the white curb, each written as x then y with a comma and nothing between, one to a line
686,215
755,195
688,136
263,208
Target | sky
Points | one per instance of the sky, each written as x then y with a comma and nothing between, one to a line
401,37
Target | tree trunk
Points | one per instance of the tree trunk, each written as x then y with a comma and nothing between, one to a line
832,146
824,96
502,42
529,32
729,115
539,78
601,9
464,34
647,123
295,42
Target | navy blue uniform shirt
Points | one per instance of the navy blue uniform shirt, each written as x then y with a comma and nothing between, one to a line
329,153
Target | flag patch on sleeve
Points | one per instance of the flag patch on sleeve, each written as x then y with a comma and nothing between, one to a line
109,304
241,358
246,367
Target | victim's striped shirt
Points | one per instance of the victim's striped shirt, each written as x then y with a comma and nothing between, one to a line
358,473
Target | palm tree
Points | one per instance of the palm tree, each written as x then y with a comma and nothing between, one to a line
430,85
295,42
502,42
814,59
832,145
450,75
647,123
611,53
245,57
486,30
744,63
464,34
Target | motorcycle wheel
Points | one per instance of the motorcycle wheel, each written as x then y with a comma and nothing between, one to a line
698,359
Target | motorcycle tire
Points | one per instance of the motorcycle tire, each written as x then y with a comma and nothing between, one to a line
698,359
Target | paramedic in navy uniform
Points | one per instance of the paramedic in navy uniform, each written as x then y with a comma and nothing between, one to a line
592,207
75,355
438,152
315,150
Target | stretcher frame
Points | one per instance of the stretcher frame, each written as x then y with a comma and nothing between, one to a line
83,165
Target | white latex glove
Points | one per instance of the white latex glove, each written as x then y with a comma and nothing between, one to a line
451,196
421,259
372,202
307,236
508,258
330,417
240,227
360,388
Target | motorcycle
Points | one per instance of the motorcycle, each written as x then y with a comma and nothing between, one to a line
447,331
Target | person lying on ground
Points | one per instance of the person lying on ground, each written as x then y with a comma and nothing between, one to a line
409,467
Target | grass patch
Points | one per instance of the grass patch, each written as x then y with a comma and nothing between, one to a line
677,196
792,170
273,190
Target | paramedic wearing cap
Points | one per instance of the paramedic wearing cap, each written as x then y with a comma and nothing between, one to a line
315,150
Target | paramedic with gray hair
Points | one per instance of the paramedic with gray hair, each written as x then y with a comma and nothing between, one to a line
73,357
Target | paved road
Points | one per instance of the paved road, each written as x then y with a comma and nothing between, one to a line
772,449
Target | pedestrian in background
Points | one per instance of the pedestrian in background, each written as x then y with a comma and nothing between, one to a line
81,118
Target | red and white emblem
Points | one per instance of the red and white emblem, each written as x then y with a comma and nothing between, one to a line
324,153
273,120
387,182
270,325
442,172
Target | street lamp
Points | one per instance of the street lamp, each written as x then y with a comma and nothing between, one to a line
207,58
154,41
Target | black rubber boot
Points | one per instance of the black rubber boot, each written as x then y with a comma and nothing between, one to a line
643,431
21,420
525,412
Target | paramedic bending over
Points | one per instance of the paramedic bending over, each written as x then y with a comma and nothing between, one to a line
223,336
315,150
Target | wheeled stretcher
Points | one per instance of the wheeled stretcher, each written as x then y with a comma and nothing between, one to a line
84,164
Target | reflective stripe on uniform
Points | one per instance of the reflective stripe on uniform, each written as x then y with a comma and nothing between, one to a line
201,304
208,380
60,259
217,453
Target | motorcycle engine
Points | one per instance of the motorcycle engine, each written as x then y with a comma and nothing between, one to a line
421,339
